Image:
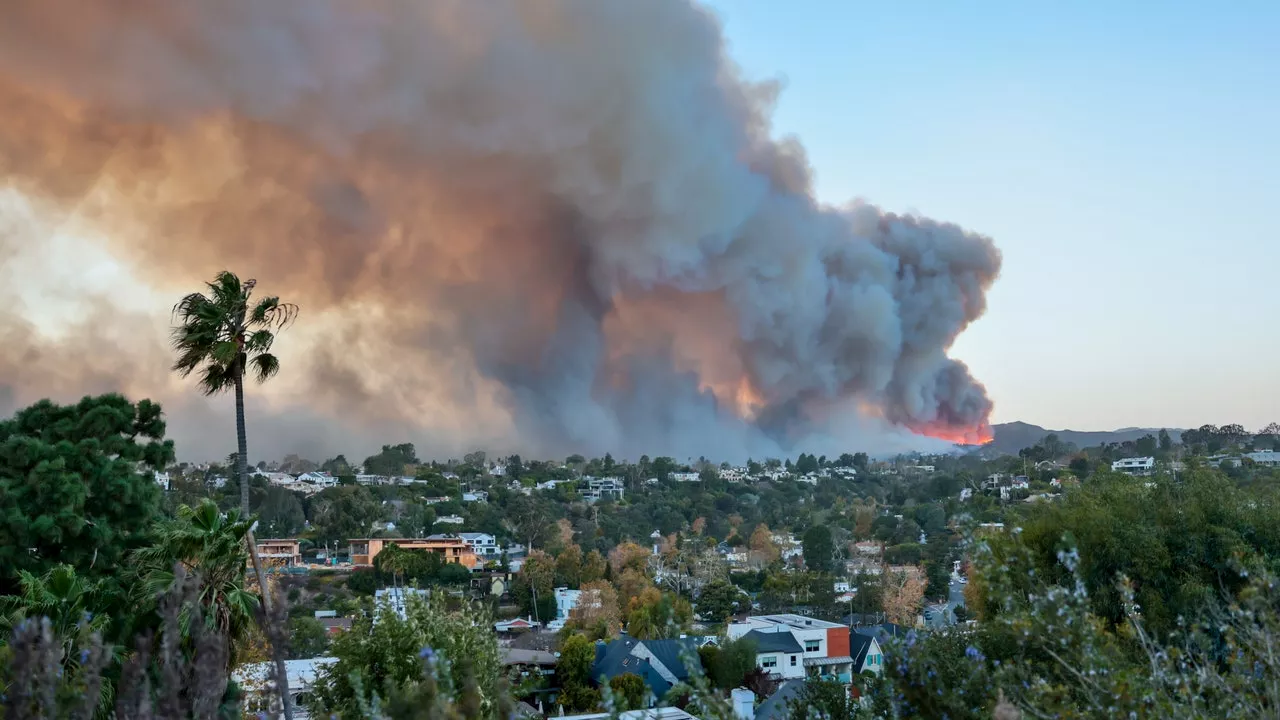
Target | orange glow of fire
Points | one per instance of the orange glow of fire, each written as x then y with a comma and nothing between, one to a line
980,435
741,396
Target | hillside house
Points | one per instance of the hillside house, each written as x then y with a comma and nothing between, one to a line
824,645
1138,466
451,548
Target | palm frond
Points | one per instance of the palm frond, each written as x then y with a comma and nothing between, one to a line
265,366
270,312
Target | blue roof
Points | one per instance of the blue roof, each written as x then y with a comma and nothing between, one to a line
775,706
619,657
783,642
859,645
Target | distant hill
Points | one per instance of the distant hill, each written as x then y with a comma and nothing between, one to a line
1014,436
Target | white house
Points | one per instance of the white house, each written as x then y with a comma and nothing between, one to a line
965,494
566,601
778,653
475,496
255,679
823,646
866,653
319,479
396,597
483,545
685,477
1134,466
498,470
606,487
450,520
162,479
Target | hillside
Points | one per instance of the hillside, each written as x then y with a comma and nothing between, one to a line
1014,436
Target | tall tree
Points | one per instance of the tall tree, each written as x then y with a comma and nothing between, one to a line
76,485
225,335
210,545
819,549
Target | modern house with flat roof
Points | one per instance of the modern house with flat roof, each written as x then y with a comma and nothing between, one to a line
452,549
286,553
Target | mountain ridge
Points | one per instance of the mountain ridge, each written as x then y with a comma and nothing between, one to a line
1013,436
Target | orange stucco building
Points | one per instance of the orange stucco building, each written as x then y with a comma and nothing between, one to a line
454,550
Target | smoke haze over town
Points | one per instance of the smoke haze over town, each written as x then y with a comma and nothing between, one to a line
551,228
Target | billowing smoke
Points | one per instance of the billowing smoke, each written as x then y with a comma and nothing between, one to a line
558,225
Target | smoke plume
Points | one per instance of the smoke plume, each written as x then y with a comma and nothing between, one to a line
555,226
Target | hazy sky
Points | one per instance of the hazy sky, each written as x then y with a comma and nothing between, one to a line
1124,157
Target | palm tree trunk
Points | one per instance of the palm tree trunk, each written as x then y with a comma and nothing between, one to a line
242,447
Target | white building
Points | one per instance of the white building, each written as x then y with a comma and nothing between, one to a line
483,545
475,496
965,494
1134,466
606,487
255,679
396,598
498,470
319,479
566,601
817,647
685,477
162,479
450,520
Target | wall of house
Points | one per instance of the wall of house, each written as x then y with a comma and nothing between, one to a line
788,666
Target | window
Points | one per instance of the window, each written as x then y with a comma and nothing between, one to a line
769,662
793,661
812,645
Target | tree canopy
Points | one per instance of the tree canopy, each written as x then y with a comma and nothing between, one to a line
76,485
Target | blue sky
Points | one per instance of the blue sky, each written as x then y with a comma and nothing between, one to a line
1124,156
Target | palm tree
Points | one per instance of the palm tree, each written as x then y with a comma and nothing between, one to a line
212,547
66,599
68,602
223,336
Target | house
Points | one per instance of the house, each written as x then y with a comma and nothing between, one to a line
450,519
866,653
685,477
606,487
475,496
318,479
869,547
285,553
528,663
498,470
824,645
255,680
332,624
919,469
161,478
396,598
276,478
566,601
1266,458
484,545
1134,466
965,494
660,663
452,549
516,625
778,653
778,705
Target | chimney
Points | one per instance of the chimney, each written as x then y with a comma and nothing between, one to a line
744,702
